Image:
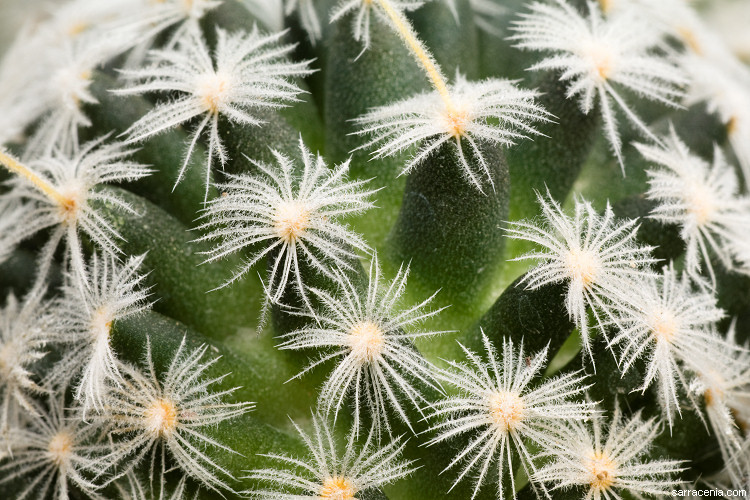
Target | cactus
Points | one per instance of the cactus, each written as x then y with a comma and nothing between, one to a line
355,250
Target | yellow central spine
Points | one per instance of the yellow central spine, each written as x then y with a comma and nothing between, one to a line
42,185
423,57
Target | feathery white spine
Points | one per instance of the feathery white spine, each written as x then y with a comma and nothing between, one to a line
24,331
723,382
703,200
68,69
291,212
605,467
80,18
372,337
672,325
462,112
165,13
251,71
403,124
723,83
428,121
330,474
362,10
87,310
58,190
595,54
496,405
131,488
676,18
66,49
597,256
148,21
149,415
56,450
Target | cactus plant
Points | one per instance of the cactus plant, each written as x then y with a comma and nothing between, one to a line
285,249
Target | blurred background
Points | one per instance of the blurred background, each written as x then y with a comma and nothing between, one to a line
730,18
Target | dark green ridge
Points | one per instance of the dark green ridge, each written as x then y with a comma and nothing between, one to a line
498,57
690,440
610,385
5,174
733,293
165,153
181,282
369,83
447,224
500,60
534,317
453,42
696,127
373,494
602,179
318,52
602,168
247,142
306,117
285,321
653,113
19,271
231,15
665,237
256,144
280,129
429,481
555,161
